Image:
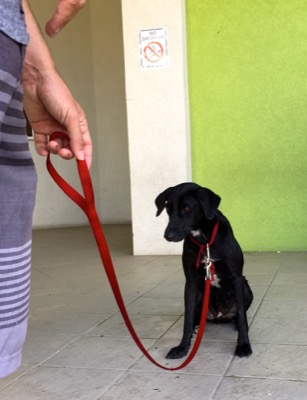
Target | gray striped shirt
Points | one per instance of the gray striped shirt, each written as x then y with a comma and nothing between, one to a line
12,21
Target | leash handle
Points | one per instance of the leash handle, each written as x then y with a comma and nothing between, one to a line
87,204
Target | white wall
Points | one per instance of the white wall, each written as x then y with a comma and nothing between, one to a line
158,128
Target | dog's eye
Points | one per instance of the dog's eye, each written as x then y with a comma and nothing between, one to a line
186,209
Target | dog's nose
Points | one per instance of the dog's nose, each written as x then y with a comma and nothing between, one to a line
169,235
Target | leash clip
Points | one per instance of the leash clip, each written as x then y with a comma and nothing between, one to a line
208,271
209,266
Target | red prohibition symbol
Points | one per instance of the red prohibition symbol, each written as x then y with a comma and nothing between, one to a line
153,52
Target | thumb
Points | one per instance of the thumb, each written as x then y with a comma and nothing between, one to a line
77,145
65,12
55,24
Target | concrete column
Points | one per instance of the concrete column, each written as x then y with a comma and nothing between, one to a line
157,115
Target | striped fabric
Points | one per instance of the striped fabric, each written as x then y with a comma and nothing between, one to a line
15,264
14,147
17,197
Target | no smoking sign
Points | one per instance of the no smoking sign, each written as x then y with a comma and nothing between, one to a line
153,48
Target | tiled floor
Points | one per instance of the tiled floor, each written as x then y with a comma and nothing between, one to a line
79,348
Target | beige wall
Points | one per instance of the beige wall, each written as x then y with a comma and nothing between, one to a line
89,56
111,119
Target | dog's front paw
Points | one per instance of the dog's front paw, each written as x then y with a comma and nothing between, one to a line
244,350
177,352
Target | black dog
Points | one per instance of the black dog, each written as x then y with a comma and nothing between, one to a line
194,216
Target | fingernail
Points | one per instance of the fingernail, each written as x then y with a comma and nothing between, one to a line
53,34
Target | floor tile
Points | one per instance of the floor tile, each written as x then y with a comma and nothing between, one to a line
259,279
155,386
289,278
287,362
45,346
127,263
259,291
260,268
74,270
146,326
167,289
60,384
154,272
298,267
294,258
260,389
273,330
264,257
89,284
178,277
16,376
213,358
98,352
61,321
253,308
41,283
156,305
50,300
48,257
279,309
287,292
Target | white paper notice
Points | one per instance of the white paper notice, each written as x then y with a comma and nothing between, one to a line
154,48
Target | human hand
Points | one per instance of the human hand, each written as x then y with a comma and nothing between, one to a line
50,107
65,12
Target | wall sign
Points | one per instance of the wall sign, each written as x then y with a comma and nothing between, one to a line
153,45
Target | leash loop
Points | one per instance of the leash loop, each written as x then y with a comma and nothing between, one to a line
87,204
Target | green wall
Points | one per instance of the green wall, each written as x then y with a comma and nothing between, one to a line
247,75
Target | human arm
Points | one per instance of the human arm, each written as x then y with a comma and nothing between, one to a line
48,103
65,12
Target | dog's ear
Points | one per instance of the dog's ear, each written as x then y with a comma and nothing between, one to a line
209,202
161,201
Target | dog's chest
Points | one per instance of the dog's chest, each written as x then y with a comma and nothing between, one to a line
216,281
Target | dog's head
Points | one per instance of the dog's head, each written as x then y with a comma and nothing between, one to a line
187,205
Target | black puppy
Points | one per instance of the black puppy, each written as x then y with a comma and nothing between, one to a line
194,216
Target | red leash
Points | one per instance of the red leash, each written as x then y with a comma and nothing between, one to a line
87,204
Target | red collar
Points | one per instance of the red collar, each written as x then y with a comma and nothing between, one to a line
202,246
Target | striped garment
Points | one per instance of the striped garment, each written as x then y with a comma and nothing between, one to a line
12,21
15,266
17,197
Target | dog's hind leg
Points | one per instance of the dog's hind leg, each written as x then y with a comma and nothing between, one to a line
248,295
243,348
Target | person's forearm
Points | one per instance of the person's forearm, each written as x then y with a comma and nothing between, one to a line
38,60
48,102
